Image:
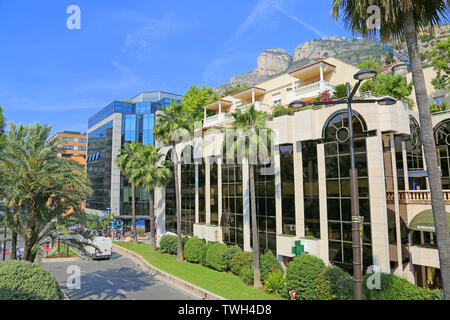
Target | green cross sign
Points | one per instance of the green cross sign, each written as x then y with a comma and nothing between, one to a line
298,249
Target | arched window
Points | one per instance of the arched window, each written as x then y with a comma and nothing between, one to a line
442,139
187,190
337,167
171,208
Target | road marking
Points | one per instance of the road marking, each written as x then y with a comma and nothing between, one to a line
122,292
110,282
98,275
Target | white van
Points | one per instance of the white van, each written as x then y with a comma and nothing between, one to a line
102,249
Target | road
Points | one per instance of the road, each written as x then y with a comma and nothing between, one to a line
116,279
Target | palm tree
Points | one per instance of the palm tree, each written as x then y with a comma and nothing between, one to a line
151,176
405,18
252,123
48,183
171,122
128,164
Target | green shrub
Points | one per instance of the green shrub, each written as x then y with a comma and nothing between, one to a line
203,256
279,111
23,280
396,288
229,252
169,244
305,275
246,274
239,260
193,249
275,282
215,257
268,263
341,283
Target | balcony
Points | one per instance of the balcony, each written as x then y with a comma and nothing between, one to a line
258,106
217,120
308,91
423,256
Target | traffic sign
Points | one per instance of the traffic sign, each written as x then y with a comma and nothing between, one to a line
293,293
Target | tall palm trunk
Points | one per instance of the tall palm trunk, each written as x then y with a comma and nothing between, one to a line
255,237
133,213
437,201
152,222
14,235
31,225
4,243
178,205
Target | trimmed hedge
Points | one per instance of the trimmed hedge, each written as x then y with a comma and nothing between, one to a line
306,275
239,260
268,263
205,250
341,283
215,257
194,249
229,252
247,275
169,244
396,288
23,280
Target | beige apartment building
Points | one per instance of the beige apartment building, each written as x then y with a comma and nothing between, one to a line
303,193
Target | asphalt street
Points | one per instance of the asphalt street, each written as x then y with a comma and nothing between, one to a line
116,279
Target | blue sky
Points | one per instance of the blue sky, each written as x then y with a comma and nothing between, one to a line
58,76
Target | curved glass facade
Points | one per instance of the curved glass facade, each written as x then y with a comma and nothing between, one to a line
442,138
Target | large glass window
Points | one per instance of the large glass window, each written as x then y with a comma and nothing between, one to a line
99,170
287,188
171,208
214,193
311,189
337,164
232,204
442,138
201,191
187,191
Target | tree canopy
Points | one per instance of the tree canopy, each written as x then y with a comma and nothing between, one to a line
195,98
389,85
441,63
370,64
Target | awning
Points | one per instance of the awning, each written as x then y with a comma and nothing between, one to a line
424,221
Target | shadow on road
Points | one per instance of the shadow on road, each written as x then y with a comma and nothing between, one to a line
95,285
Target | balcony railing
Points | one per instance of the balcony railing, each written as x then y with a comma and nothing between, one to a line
258,106
415,196
309,90
217,119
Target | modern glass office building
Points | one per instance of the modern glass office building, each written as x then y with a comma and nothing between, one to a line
108,130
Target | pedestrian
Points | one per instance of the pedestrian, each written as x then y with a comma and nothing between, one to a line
18,254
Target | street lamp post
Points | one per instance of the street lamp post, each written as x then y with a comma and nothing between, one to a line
356,218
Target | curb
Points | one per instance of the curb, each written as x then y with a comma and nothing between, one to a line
61,259
189,287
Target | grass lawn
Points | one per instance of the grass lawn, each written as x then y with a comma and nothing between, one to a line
62,251
223,284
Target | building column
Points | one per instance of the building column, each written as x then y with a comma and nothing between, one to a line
324,255
321,72
253,95
298,190
160,212
207,191
399,269
377,200
278,200
115,171
246,198
220,107
405,166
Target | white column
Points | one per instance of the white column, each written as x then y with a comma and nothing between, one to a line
293,83
298,190
278,203
246,198
323,203
321,72
398,271
219,190
197,197
160,212
220,107
405,166
253,96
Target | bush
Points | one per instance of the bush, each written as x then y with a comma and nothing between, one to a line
23,280
396,288
229,252
305,275
268,263
275,282
239,260
169,244
205,250
341,283
215,257
193,249
247,274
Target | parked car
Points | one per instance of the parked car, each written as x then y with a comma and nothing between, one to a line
101,248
